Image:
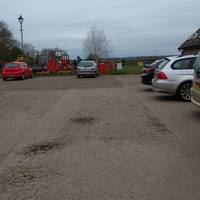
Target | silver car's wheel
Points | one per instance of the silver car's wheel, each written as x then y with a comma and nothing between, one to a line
184,91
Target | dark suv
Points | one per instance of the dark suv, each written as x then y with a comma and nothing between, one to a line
148,72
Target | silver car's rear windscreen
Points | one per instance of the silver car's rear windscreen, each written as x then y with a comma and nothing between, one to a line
86,64
163,64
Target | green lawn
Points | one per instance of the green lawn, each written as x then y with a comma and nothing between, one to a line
128,69
63,73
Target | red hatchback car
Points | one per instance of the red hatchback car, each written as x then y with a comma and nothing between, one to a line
17,70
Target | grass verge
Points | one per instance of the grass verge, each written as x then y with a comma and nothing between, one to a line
127,69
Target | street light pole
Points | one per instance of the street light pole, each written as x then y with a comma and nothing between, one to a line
21,19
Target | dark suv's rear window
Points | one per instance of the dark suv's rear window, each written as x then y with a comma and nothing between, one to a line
11,65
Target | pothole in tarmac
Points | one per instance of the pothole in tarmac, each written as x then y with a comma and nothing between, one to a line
83,120
20,176
42,148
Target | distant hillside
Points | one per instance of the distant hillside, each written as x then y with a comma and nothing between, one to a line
134,60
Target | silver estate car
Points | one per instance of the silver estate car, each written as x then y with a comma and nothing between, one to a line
175,76
87,68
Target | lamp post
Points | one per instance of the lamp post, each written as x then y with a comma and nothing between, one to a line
21,19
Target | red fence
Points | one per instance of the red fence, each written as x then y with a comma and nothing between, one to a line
107,67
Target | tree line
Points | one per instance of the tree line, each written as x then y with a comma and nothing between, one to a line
96,45
10,48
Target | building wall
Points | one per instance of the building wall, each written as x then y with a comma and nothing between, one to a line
189,51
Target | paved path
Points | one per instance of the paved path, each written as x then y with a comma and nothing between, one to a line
105,138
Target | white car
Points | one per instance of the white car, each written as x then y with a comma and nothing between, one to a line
175,76
87,68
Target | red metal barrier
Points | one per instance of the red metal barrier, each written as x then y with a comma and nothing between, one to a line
102,68
107,67
110,67
53,66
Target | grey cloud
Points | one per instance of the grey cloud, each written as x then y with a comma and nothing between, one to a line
135,27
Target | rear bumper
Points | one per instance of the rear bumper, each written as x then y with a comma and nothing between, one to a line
86,72
164,86
11,75
195,96
146,79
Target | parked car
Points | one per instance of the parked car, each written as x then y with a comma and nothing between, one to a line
17,70
87,68
196,85
39,68
148,72
175,76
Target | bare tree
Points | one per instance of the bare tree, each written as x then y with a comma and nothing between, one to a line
96,44
29,48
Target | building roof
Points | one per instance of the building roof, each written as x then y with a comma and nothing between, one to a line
192,42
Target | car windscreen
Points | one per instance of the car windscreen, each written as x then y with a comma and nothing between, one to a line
163,63
154,63
86,64
11,65
197,67
151,65
157,63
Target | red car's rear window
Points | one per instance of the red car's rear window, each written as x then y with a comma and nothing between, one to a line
11,65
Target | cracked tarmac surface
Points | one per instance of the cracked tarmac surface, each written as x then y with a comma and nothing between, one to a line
104,138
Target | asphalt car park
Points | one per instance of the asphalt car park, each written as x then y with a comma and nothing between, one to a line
105,138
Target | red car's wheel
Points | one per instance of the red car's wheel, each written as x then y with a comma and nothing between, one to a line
31,75
23,77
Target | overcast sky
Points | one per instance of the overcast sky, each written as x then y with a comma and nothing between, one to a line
134,27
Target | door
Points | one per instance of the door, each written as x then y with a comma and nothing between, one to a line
26,70
183,68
